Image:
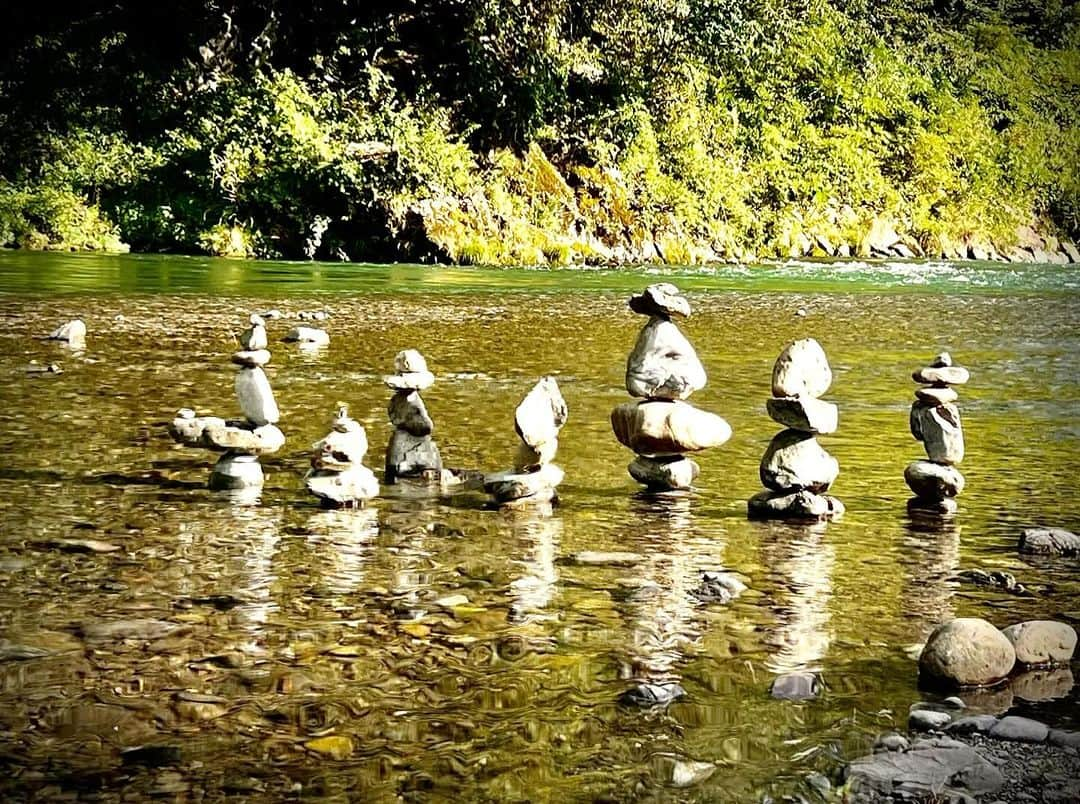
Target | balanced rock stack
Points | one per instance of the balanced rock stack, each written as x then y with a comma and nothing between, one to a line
412,451
241,440
338,476
537,420
935,421
662,370
795,470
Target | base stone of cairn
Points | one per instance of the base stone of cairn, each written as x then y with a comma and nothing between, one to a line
935,421
662,370
795,470
412,452
241,441
338,476
537,420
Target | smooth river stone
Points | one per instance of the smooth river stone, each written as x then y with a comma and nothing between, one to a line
256,397
795,461
663,300
187,428
941,375
663,364
802,369
243,440
408,412
1050,541
941,360
936,396
527,459
412,381
932,480
411,456
664,475
541,414
796,505
308,335
1042,642
806,414
251,358
254,337
927,506
409,361
340,451
666,428
966,652
74,332
343,489
940,430
509,486
236,472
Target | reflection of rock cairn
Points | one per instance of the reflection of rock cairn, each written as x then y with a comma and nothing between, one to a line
412,451
242,441
795,470
338,477
935,421
662,369
534,478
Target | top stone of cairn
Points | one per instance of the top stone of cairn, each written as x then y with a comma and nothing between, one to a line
662,299
802,369
411,372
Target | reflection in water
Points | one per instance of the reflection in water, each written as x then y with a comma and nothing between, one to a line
539,532
664,623
339,544
802,563
930,556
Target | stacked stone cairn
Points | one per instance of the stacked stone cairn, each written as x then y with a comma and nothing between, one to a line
338,476
412,452
795,470
663,369
241,441
534,478
935,421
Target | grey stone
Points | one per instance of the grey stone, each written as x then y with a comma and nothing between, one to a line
936,396
410,456
795,461
927,769
966,652
933,481
650,694
802,369
527,459
251,359
409,361
797,686
719,587
408,412
663,364
308,335
1020,729
254,337
798,505
256,397
671,473
236,472
541,414
954,702
344,488
661,427
340,450
1043,685
1050,541
73,333
227,437
187,428
941,375
928,720
806,414
924,506
1042,642
508,486
413,381
662,299
973,724
939,428
891,741
1065,739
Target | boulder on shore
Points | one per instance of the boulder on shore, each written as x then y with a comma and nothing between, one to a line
1042,642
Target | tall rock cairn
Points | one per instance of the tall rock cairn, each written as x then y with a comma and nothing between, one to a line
241,440
795,470
935,421
412,452
662,370
534,478
338,476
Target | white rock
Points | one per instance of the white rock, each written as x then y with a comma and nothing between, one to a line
932,480
803,413
541,414
73,332
354,485
308,335
1042,642
802,369
664,475
665,428
254,337
236,472
796,461
966,652
412,381
510,486
940,430
661,299
663,364
409,361
251,359
256,397
941,375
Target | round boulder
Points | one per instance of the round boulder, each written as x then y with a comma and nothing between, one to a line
802,369
1042,642
966,652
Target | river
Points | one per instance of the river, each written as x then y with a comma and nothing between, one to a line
279,623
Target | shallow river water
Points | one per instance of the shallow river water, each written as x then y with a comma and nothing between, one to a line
231,637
